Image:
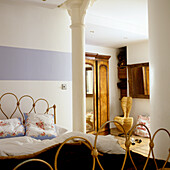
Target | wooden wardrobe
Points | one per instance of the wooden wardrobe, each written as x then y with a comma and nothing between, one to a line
99,92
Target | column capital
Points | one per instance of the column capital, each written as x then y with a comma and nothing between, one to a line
73,4
77,10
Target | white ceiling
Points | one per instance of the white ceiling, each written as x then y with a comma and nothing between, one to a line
112,23
55,3
115,23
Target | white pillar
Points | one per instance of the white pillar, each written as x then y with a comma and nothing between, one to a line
77,11
159,51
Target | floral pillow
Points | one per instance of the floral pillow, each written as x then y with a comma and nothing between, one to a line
40,126
11,128
141,130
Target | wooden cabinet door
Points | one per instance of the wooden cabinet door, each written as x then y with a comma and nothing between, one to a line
103,92
92,96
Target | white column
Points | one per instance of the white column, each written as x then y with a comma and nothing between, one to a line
77,11
159,53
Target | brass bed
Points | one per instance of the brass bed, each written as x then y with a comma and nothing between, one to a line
81,154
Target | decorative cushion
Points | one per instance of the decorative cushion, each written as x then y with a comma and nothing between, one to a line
40,126
11,128
141,130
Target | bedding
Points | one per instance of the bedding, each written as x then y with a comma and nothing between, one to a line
78,157
73,155
27,145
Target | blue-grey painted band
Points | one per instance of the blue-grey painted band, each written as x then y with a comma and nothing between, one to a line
31,64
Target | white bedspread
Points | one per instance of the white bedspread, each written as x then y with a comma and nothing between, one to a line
26,145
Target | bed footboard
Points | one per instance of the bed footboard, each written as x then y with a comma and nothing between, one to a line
85,157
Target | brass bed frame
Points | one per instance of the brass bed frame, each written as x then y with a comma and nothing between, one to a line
33,107
94,151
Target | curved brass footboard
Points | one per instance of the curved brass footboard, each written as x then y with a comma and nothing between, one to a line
95,153
33,160
128,143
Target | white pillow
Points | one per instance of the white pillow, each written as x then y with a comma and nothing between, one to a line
60,130
40,126
11,128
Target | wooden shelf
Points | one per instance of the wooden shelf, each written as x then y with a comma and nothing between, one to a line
122,85
122,73
123,92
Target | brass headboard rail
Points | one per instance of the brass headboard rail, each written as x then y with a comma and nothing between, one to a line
32,107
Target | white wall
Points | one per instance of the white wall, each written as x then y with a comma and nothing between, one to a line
138,53
114,92
31,26
50,90
159,45
26,25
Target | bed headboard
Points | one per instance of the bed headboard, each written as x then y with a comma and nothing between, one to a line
12,106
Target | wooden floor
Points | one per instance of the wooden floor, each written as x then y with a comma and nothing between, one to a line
141,148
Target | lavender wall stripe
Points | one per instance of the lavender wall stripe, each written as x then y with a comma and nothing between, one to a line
31,64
